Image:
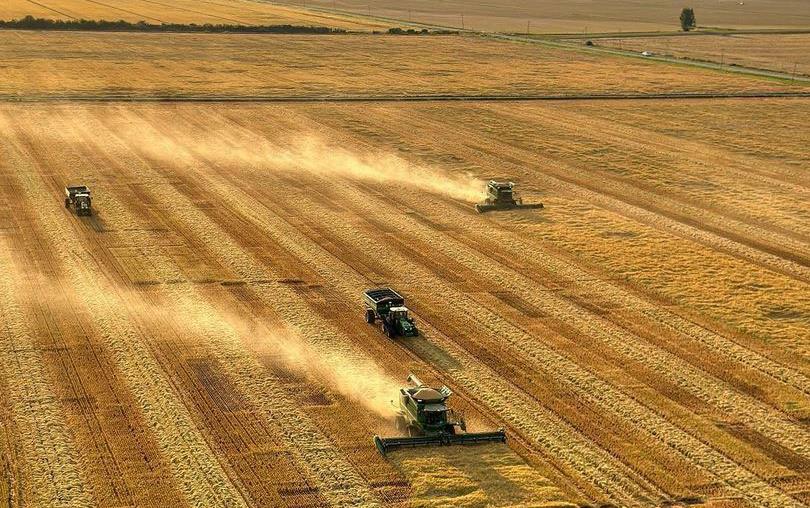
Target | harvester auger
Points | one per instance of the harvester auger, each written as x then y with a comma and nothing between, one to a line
424,415
501,196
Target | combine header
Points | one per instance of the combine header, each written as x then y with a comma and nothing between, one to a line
424,415
500,196
388,306
79,197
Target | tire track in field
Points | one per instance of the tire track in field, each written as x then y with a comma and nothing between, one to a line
53,473
370,208
198,474
304,248
561,180
338,481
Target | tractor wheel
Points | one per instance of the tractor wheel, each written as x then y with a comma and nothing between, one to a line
369,316
390,332
67,203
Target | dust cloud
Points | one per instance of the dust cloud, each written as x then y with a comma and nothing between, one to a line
354,377
296,153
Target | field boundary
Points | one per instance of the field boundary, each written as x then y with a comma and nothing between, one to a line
396,98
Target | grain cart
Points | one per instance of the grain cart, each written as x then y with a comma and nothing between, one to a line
422,413
79,197
501,196
388,306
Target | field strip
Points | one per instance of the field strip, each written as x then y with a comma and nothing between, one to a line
338,481
557,177
154,98
554,435
145,17
200,476
197,12
51,9
591,388
721,162
742,216
52,464
569,273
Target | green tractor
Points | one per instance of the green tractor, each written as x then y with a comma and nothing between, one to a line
388,306
424,416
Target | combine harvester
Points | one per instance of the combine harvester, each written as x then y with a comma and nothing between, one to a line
388,306
501,196
424,415
79,197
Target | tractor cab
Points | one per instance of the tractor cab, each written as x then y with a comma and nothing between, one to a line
398,321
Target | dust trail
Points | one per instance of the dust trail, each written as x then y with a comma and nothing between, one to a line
357,379
299,153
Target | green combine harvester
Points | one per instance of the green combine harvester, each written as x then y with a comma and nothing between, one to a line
501,196
424,415
388,306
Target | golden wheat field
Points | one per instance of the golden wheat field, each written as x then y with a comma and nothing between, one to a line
200,341
239,12
643,340
577,16
779,52
126,65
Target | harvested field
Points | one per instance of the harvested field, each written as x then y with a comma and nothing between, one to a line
131,65
577,17
199,340
777,52
240,12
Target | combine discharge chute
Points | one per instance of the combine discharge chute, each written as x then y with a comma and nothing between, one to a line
424,415
501,196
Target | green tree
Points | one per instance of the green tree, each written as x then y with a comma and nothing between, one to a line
688,21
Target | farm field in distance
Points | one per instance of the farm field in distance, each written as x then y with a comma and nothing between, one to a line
237,12
108,64
777,52
659,302
552,16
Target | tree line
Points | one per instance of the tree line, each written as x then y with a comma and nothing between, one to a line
32,23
